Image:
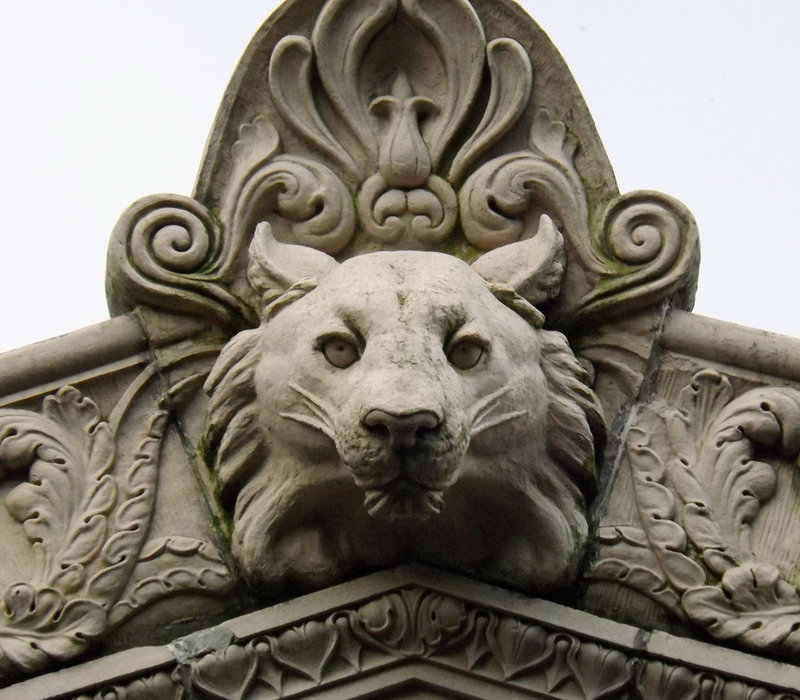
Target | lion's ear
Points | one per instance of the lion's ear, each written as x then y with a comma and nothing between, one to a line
275,267
533,268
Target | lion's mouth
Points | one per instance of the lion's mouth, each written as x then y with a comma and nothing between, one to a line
403,499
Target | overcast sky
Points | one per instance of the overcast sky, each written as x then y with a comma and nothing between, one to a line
107,101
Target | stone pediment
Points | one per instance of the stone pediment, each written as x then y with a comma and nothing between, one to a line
421,633
406,316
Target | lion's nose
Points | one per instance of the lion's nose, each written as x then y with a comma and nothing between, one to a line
402,428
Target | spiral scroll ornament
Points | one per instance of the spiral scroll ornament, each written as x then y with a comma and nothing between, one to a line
168,252
303,201
648,246
502,201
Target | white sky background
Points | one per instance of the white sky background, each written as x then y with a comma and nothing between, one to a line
106,101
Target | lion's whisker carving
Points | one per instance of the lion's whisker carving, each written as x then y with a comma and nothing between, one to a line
311,421
495,421
321,410
486,403
482,418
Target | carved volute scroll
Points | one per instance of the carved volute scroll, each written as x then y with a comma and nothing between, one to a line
353,126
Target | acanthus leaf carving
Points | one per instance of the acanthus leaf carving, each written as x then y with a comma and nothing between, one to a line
168,566
698,496
658,508
753,605
85,509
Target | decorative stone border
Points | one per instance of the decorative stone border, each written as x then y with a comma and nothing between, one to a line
416,628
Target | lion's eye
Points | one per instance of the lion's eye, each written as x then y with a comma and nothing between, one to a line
339,351
465,354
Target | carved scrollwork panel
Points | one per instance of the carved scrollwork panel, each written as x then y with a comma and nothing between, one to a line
85,506
703,470
373,130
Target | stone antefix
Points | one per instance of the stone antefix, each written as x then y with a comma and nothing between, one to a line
405,401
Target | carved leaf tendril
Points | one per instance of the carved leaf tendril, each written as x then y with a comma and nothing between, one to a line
706,493
86,512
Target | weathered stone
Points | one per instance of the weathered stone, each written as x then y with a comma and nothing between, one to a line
405,316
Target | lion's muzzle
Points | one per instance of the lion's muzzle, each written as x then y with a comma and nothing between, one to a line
404,460
402,429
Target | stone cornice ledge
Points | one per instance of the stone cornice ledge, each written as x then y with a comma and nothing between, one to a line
731,344
120,342
482,636
56,360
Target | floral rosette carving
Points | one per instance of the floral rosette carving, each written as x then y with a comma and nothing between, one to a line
86,509
701,473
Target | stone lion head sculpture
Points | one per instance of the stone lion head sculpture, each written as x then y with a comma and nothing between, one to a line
403,405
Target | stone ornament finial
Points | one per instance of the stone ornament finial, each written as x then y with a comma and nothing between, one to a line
399,138
394,323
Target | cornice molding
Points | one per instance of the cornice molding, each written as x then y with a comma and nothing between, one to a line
419,625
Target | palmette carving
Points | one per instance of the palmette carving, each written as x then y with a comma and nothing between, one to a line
86,511
701,478
414,623
409,118
392,122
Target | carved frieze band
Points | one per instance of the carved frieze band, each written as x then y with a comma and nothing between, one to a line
702,470
454,636
445,146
